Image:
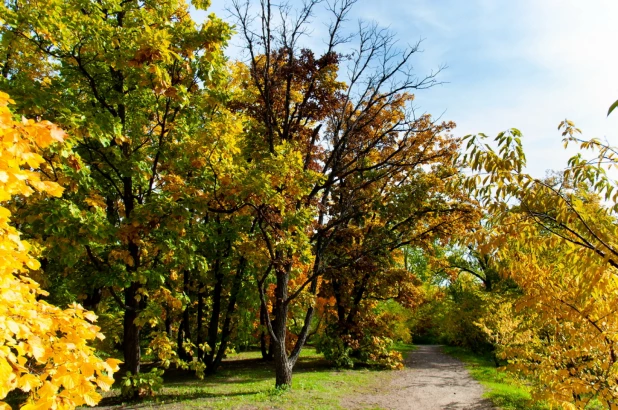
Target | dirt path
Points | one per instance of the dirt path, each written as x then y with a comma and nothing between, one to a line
430,381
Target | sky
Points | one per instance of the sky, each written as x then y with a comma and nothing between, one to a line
527,64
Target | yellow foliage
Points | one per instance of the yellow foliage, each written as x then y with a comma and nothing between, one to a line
556,239
43,349
569,301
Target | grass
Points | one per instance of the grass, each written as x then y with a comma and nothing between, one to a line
504,390
246,382
404,348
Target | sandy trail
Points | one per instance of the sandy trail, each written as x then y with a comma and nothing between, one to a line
430,381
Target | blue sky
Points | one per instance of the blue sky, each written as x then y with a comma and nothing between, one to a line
524,63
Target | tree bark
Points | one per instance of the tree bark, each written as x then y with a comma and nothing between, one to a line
132,353
184,330
213,326
266,348
200,321
168,321
283,367
359,293
93,299
226,329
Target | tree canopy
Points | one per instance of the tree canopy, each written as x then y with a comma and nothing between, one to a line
192,205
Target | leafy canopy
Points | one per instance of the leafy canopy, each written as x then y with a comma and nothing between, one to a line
43,349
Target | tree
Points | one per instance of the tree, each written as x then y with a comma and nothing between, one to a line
44,350
410,205
557,241
340,137
133,82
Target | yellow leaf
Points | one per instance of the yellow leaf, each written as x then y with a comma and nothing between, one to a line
28,382
37,349
90,316
92,398
33,264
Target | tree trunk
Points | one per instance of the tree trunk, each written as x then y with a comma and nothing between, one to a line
226,329
341,311
200,320
132,353
182,354
271,349
283,367
267,351
93,299
284,363
184,331
213,325
359,293
168,321
187,324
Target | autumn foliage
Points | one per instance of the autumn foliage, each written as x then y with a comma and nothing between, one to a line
200,205
44,350
555,240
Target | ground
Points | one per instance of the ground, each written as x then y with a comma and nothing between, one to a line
246,382
431,380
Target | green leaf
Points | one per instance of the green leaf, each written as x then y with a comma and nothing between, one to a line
612,108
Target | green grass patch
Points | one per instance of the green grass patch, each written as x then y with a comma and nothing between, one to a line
246,382
404,348
503,389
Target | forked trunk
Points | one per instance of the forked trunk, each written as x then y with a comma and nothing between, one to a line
277,328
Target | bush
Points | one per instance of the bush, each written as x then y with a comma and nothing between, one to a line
334,348
142,384
371,338
450,316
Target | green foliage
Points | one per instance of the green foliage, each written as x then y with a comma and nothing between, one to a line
456,297
449,316
141,89
612,107
198,190
135,386
397,318
387,322
334,349
463,306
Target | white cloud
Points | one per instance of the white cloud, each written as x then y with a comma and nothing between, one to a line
529,64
